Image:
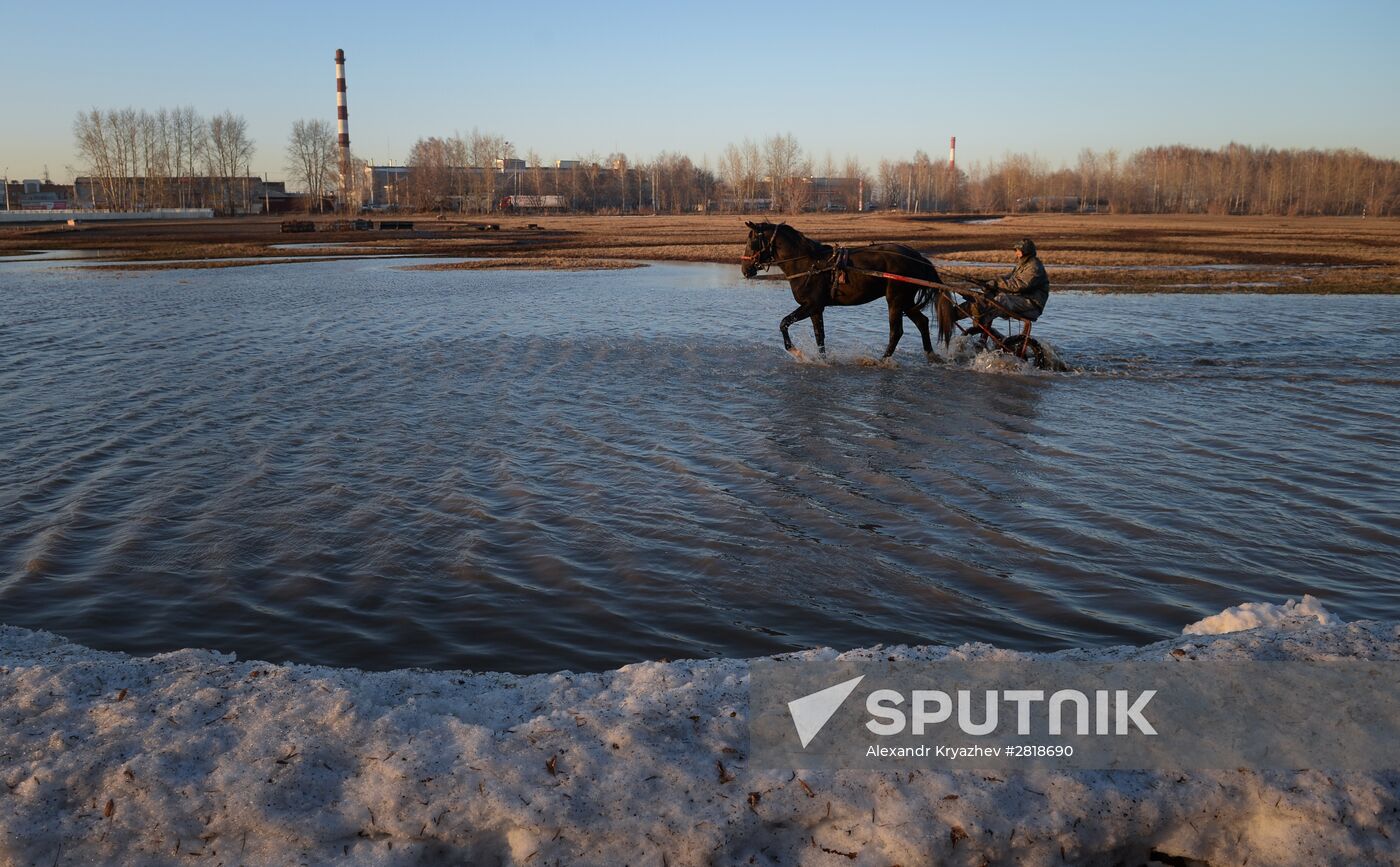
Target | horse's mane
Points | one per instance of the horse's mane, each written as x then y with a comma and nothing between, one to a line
810,246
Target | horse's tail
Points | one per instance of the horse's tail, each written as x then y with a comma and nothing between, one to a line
943,307
923,297
946,317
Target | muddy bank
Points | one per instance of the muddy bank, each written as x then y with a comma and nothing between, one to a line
1095,252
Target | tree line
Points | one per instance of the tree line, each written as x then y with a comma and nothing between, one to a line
778,175
1235,179
164,159
139,159
474,173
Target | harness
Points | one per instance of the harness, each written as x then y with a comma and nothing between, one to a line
840,261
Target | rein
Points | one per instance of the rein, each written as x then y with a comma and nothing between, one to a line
809,273
764,266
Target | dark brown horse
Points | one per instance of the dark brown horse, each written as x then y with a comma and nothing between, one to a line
822,276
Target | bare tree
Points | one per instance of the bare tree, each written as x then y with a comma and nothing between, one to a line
798,192
782,158
189,132
227,157
535,165
618,163
706,185
154,172
430,175
457,162
125,127
1089,179
741,168
588,172
312,157
483,149
753,168
646,185
161,164
859,183
110,143
731,174
95,146
889,183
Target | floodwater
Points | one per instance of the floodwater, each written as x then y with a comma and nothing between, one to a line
352,464
46,256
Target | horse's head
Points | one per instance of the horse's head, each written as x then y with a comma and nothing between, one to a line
761,249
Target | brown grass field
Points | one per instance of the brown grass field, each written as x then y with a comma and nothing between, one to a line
1092,252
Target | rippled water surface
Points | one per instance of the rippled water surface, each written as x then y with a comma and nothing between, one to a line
353,464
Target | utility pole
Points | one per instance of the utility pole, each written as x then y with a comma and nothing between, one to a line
7,189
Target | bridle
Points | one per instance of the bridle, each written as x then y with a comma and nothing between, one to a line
763,259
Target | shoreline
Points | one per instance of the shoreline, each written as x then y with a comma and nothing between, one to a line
1103,253
195,754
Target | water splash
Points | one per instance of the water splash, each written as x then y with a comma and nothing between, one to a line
968,351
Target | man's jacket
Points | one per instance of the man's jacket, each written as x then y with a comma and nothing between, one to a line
1029,280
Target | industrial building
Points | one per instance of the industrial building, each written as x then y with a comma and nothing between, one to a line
36,195
234,195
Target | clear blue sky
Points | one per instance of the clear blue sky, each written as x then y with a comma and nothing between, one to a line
870,79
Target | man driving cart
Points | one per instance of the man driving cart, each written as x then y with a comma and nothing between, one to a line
1022,293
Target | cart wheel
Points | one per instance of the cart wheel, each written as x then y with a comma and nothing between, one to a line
1034,352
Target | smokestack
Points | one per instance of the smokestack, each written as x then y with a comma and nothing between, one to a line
952,151
342,115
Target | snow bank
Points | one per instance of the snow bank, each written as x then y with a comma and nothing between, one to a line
1252,615
196,757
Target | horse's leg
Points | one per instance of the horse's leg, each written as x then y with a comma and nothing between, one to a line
797,315
896,326
975,312
819,329
921,322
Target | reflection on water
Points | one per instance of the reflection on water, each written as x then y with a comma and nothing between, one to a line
349,463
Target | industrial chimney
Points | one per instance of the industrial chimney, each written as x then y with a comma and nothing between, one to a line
952,152
342,115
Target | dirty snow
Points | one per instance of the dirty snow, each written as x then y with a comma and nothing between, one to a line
1252,615
195,757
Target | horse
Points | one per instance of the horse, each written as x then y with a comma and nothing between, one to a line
821,276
